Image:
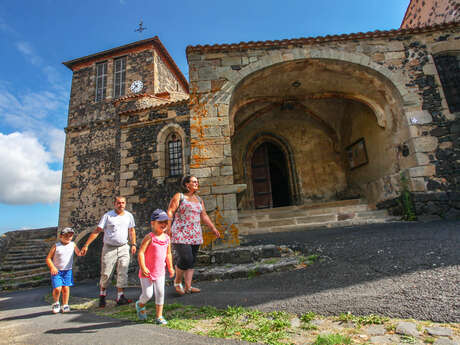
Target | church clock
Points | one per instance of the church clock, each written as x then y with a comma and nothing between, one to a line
136,86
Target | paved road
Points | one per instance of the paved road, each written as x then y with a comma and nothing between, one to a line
408,270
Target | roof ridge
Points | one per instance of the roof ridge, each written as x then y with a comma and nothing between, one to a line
156,106
326,38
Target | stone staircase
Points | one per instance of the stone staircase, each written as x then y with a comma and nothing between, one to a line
23,261
325,214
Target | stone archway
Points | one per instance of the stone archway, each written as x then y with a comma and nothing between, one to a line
322,106
279,166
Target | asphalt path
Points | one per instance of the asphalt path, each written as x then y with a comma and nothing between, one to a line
406,270
26,319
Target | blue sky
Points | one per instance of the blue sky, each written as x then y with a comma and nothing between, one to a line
37,36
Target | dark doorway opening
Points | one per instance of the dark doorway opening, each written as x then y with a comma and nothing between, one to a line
270,177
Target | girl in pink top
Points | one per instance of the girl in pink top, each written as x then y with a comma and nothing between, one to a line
153,256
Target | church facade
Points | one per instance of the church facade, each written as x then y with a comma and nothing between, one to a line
268,124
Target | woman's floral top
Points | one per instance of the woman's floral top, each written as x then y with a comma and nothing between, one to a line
186,228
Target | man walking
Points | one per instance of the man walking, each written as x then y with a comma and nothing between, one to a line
117,225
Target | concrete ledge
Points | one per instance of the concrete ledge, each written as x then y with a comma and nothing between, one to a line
228,189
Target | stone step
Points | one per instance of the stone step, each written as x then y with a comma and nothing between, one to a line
298,211
318,222
326,214
335,203
246,270
23,262
12,274
20,267
25,277
31,241
25,283
311,206
241,255
30,256
27,249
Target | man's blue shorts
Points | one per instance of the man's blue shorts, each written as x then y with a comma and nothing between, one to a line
63,278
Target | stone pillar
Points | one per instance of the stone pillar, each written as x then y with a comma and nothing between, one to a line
211,154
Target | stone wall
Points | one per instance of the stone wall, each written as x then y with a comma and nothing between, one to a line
167,81
90,175
143,178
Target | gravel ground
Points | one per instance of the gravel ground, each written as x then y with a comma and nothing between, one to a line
404,270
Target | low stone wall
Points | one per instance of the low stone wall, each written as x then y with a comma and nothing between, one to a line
445,205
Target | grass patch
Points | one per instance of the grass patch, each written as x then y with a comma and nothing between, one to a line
307,317
270,261
252,326
307,260
236,322
363,320
312,258
429,340
390,327
332,339
233,322
407,339
252,274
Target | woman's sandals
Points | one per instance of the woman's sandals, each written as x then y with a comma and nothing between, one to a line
179,289
193,290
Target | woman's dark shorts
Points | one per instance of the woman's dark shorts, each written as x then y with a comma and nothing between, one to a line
185,255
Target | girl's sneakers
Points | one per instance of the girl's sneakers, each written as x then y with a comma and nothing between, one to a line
65,308
161,321
56,308
141,312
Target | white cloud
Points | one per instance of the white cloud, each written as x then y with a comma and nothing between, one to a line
25,177
32,113
56,143
26,49
5,27
51,73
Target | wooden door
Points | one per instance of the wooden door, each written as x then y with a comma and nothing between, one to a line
261,178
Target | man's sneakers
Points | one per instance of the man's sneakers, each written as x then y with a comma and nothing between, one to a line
123,300
120,301
102,301
56,308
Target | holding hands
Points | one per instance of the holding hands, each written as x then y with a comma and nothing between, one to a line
83,251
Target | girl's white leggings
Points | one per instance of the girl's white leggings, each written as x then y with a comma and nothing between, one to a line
149,287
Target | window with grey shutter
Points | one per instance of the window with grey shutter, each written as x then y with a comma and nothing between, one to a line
119,77
448,66
101,80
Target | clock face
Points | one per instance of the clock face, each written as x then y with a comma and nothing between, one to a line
137,86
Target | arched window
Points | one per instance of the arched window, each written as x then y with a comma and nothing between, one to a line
174,155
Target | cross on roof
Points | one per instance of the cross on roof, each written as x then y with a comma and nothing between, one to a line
141,27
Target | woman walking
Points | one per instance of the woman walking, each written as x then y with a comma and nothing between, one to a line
187,211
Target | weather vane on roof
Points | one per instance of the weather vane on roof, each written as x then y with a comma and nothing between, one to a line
141,27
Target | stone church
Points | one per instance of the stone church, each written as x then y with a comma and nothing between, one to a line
271,126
